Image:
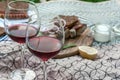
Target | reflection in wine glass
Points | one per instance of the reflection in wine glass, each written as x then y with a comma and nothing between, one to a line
48,42
18,16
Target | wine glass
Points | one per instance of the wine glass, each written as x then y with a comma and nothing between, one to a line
18,16
49,40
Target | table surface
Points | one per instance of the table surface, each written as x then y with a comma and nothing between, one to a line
105,67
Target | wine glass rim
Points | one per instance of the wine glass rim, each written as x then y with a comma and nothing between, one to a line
14,8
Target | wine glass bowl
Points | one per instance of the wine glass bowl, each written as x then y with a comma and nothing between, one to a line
49,40
17,16
44,47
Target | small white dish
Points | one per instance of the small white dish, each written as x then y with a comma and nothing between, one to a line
101,32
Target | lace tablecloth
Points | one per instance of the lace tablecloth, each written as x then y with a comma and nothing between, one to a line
105,67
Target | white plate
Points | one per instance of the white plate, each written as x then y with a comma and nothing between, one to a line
102,12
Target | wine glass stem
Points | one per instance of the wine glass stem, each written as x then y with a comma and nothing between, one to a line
44,70
22,55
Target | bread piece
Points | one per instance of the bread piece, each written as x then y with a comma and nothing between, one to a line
73,26
2,6
87,52
14,13
18,16
20,5
72,33
70,20
78,25
2,15
81,28
67,33
2,31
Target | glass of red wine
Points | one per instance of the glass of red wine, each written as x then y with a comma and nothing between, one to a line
48,42
18,16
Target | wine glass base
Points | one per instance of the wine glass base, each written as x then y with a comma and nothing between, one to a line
22,74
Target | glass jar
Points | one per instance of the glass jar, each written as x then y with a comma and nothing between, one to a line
101,32
116,31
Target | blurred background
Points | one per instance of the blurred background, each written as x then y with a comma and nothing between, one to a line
37,1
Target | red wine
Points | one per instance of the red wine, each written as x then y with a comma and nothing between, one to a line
18,32
44,47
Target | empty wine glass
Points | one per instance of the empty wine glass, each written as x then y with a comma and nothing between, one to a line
18,16
49,40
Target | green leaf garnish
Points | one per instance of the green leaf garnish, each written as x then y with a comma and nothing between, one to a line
69,46
40,34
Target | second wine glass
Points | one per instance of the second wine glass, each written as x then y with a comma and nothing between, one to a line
18,16
48,42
